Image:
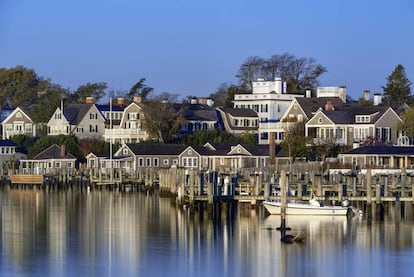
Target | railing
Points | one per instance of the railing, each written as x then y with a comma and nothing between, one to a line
17,132
124,132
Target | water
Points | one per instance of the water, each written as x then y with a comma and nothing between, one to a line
134,234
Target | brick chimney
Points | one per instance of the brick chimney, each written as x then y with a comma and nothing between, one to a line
120,101
63,150
329,106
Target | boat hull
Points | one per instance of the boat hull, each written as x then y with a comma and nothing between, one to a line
304,209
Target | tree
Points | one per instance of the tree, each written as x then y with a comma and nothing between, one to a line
224,95
95,90
47,101
18,87
140,89
250,71
162,121
299,73
397,90
295,141
407,123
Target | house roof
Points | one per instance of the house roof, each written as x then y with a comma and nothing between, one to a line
382,150
311,105
198,112
226,146
347,116
239,112
156,148
7,142
107,108
74,113
53,152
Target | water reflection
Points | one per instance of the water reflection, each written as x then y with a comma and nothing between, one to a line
131,234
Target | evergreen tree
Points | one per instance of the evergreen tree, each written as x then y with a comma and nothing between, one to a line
398,90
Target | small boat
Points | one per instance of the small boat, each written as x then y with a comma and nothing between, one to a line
313,207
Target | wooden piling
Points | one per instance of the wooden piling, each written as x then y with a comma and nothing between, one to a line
368,182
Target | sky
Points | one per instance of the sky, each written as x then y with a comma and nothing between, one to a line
191,47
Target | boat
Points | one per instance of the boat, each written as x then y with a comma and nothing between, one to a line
312,207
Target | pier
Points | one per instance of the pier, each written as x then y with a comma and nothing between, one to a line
247,186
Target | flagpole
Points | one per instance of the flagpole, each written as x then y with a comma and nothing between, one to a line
110,137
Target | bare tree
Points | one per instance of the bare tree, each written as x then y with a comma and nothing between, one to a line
162,121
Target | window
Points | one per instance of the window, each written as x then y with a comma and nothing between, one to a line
57,165
125,151
148,162
69,165
360,133
362,118
165,162
141,162
93,116
155,161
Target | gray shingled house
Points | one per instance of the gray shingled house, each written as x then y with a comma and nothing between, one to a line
53,160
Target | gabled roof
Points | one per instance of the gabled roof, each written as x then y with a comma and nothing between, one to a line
53,152
203,151
156,148
348,115
10,115
107,108
74,113
197,112
381,150
311,105
239,112
225,146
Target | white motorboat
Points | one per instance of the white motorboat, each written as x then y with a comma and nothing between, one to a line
313,207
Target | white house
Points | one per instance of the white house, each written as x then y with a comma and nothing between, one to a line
82,120
18,123
270,101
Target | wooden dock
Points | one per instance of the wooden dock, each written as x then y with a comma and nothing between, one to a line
27,179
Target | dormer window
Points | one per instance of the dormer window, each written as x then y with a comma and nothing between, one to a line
362,118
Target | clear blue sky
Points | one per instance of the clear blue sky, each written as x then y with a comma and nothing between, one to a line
190,47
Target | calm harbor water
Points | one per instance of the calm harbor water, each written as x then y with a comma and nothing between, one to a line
106,233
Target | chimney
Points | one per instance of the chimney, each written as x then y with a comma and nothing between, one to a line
90,100
366,95
137,98
308,93
210,102
377,99
202,101
62,150
193,101
120,101
329,106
